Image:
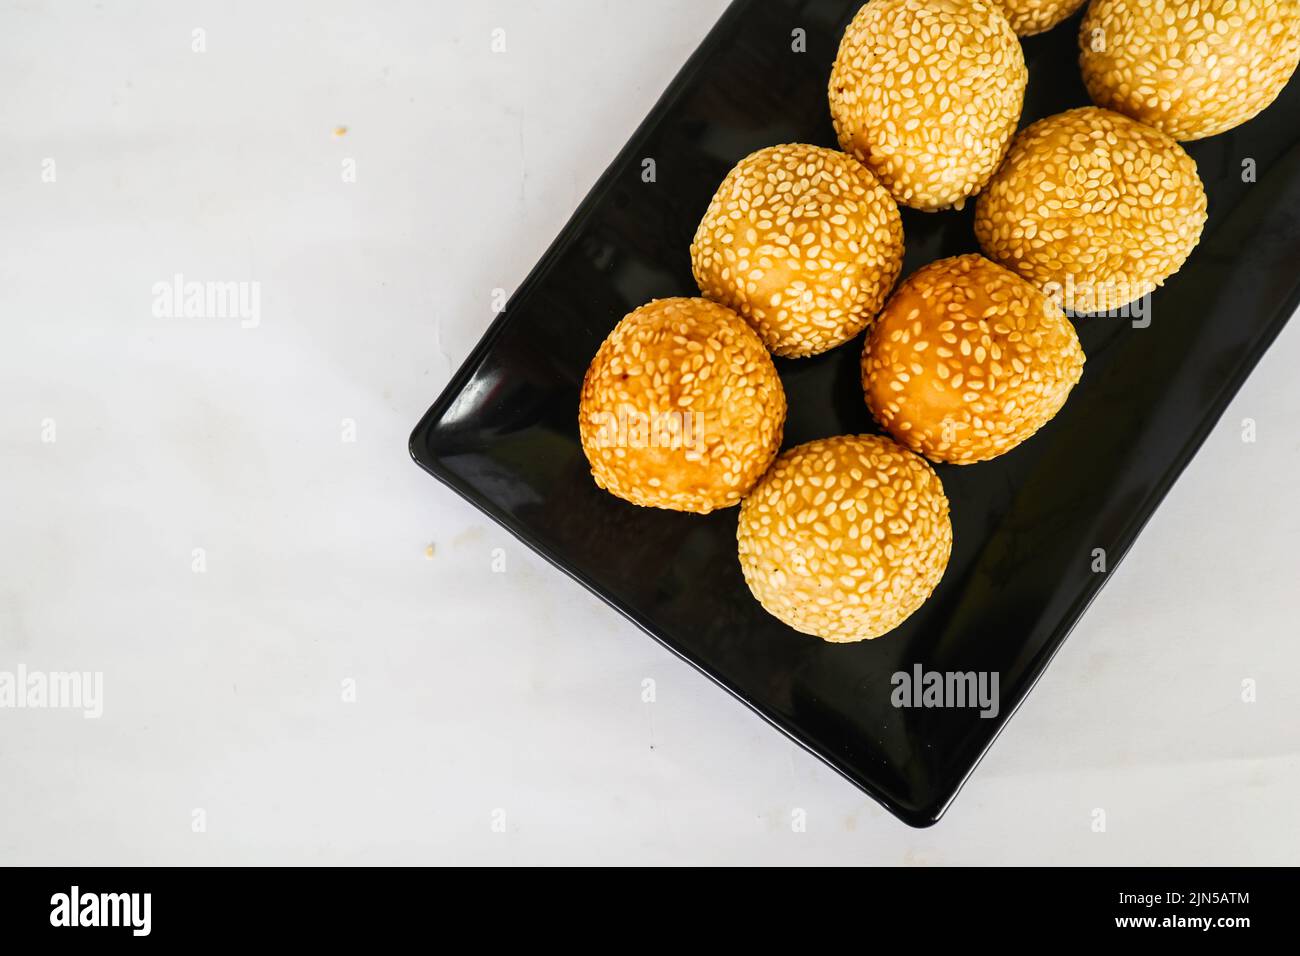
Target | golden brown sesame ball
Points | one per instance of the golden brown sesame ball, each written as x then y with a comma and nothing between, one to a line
1093,208
845,537
1037,16
804,243
681,407
927,93
968,360
1191,68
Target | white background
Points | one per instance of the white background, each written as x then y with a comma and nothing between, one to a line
475,690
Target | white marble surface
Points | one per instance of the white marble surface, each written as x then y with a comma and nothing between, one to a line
475,691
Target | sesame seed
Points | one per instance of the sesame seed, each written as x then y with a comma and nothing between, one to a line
823,245
1133,244
734,407
928,93
964,406
1189,69
855,571
1029,17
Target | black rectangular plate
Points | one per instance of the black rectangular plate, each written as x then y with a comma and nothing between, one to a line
504,432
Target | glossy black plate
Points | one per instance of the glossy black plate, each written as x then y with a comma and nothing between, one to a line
504,433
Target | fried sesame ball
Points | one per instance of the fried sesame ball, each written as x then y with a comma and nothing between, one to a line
1037,16
968,360
1191,68
1093,208
927,93
845,537
804,243
681,407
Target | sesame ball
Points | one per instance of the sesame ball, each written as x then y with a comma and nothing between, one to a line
927,93
1093,208
845,537
1191,68
968,360
1029,17
804,243
681,407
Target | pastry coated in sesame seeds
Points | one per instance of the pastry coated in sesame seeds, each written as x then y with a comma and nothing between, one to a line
927,93
1190,68
681,408
1093,208
1029,17
804,243
845,537
968,360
